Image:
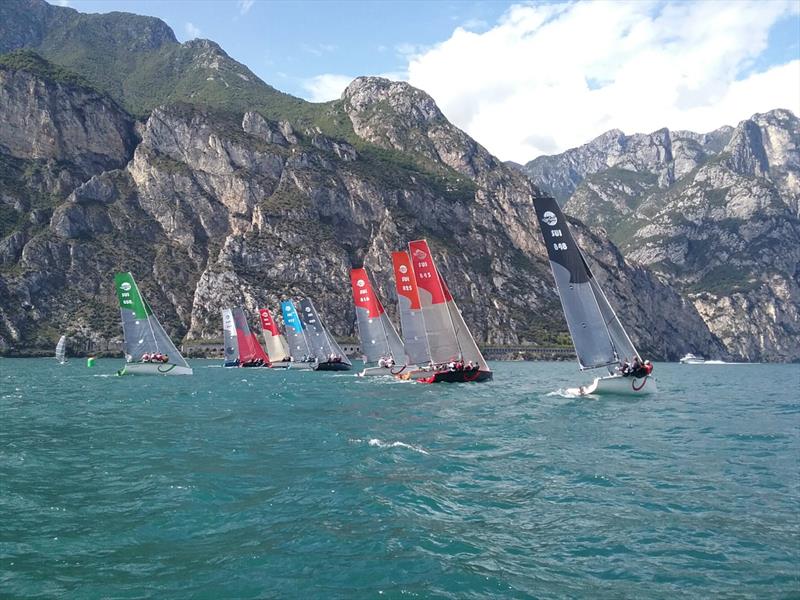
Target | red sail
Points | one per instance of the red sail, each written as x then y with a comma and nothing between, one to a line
267,322
258,349
425,271
404,280
247,349
363,294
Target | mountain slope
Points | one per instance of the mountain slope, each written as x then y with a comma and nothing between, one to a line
714,214
210,207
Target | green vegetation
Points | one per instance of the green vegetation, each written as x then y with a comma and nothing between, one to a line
28,60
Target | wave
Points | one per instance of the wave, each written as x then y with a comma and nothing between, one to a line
565,393
377,443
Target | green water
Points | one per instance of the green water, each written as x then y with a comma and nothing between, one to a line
267,484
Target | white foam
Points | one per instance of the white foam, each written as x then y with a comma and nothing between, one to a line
565,393
381,444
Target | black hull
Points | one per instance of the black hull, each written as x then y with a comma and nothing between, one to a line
471,376
333,366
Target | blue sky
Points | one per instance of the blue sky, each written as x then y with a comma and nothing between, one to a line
522,78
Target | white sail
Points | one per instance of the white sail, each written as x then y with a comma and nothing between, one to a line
61,349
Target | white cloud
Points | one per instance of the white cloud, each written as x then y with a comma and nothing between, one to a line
552,76
192,30
328,86
61,2
245,6
319,49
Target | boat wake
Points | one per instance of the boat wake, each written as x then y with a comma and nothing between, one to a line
377,443
566,393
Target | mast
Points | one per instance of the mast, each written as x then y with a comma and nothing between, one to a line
412,321
597,334
442,340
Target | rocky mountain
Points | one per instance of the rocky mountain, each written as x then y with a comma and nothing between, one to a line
715,214
225,196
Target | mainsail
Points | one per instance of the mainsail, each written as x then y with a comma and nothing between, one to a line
411,320
277,347
439,327
231,349
141,330
61,349
377,333
320,340
597,334
469,349
249,348
298,343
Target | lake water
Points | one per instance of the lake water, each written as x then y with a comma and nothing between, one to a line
240,483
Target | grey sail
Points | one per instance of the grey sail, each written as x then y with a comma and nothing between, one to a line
619,337
396,348
231,339
321,342
414,338
439,327
336,349
317,340
374,344
469,348
142,332
597,334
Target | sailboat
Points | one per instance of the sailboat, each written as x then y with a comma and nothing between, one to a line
598,336
454,355
301,355
380,343
330,356
61,350
144,339
231,339
276,344
250,353
412,323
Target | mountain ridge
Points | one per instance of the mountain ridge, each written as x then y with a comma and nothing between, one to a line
249,196
718,218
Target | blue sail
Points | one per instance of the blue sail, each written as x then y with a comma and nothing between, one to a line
294,331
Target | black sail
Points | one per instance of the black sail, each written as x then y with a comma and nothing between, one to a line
597,334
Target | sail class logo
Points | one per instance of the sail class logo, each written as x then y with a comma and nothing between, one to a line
419,254
550,218
403,269
126,287
360,283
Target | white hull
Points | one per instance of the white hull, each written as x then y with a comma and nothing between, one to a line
154,369
386,371
618,385
302,365
414,372
281,364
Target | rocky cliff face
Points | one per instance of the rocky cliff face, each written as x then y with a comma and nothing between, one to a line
714,214
212,208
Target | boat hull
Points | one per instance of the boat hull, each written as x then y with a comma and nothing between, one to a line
387,371
281,364
154,369
617,385
333,366
448,376
302,365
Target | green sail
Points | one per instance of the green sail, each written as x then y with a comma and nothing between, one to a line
129,296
